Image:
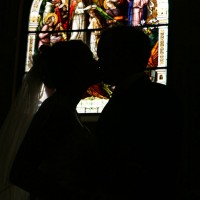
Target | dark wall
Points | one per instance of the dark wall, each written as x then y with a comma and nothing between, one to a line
8,34
14,20
183,71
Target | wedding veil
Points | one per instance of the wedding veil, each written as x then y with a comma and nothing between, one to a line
14,128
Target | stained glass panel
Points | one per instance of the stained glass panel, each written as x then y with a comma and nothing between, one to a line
60,20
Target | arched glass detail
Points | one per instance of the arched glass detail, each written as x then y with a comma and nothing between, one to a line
51,21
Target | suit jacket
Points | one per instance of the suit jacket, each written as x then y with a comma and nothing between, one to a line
139,136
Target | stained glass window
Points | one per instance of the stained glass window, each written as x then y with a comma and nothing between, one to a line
60,20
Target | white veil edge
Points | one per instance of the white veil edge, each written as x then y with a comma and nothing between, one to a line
14,129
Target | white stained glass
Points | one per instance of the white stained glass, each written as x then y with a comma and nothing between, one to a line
162,11
163,46
161,76
91,105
